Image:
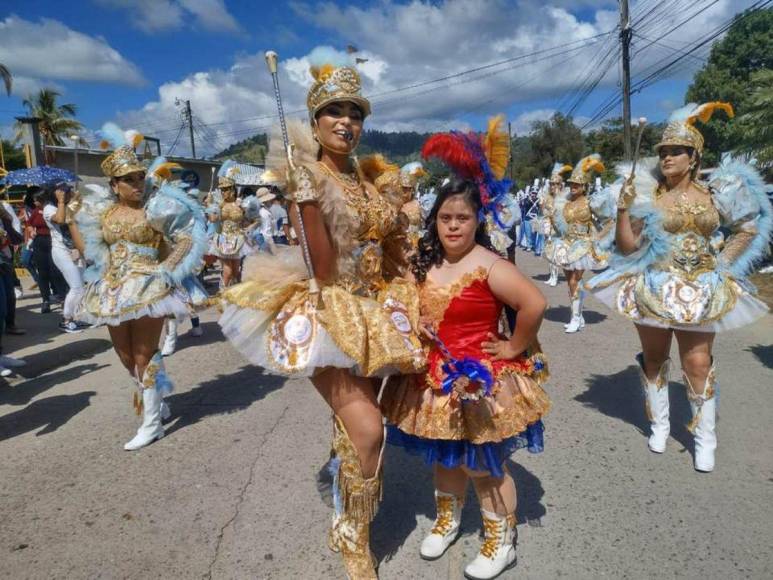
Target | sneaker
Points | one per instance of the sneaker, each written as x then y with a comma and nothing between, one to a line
69,327
14,330
4,372
196,331
83,325
45,308
18,292
10,362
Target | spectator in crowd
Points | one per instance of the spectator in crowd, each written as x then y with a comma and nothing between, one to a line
6,269
63,253
50,281
29,233
280,222
12,237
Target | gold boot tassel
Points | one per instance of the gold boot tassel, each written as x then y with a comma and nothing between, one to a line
358,499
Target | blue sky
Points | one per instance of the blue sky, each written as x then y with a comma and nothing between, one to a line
127,60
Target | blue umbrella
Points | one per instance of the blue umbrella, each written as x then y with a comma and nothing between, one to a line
41,175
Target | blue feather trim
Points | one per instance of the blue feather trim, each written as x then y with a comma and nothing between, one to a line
739,186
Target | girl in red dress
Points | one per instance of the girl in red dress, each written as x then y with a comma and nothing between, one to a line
481,397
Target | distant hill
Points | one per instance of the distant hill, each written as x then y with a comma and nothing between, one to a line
399,148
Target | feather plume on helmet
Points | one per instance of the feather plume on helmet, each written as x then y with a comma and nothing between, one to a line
482,159
226,175
587,169
681,130
558,172
123,160
335,80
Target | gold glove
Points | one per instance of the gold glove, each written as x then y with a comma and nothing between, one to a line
627,195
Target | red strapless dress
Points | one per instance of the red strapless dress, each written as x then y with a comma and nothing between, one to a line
461,427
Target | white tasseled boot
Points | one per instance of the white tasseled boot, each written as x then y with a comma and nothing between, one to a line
704,422
497,553
170,340
577,322
151,428
656,400
446,528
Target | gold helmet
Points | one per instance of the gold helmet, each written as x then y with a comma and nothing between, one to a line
123,160
586,170
335,85
681,125
559,170
226,175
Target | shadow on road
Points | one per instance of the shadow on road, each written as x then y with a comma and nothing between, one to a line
621,396
48,359
50,414
563,314
23,392
212,334
409,492
227,393
763,353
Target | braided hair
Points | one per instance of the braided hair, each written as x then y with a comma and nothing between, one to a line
430,251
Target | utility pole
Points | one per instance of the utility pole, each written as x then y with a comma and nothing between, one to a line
189,118
625,39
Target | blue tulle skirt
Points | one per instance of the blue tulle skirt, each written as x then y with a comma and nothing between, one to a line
481,457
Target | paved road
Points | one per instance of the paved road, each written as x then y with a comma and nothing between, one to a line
230,492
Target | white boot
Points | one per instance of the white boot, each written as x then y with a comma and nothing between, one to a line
704,422
170,340
497,553
151,428
446,528
656,401
577,322
553,280
154,384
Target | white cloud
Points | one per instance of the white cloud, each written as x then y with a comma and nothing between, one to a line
408,44
152,16
37,52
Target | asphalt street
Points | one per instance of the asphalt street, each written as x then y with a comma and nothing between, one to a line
231,491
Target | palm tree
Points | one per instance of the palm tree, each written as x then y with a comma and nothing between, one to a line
56,120
755,127
5,74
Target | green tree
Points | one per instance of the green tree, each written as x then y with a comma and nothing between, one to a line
755,126
607,140
5,74
746,48
56,120
13,156
555,140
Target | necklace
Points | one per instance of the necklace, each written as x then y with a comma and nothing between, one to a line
350,182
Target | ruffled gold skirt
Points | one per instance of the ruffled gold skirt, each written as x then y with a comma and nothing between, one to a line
416,409
277,323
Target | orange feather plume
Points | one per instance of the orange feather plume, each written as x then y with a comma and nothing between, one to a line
164,171
593,164
374,165
496,146
706,110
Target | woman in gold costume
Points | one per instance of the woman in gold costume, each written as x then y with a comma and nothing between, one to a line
144,250
582,223
229,242
555,190
675,275
354,320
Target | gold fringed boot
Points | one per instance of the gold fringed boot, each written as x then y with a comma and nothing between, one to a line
704,421
356,501
656,404
154,385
